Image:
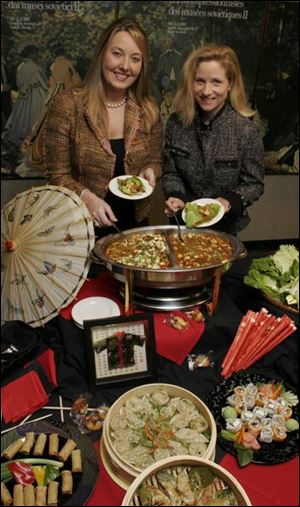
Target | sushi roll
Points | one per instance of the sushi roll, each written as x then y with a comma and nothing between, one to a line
239,390
259,412
261,399
271,407
247,416
249,401
286,412
266,422
255,426
279,433
234,425
266,435
278,420
251,389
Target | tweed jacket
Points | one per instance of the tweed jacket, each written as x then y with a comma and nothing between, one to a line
78,154
223,159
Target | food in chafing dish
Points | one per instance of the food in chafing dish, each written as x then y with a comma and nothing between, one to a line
200,250
142,250
185,485
158,425
152,251
131,186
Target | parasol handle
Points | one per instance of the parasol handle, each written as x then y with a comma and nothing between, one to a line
10,245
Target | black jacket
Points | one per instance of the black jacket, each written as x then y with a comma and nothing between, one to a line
222,159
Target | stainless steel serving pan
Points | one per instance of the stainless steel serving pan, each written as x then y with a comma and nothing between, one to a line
172,277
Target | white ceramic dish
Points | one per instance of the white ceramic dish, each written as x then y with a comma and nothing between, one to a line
114,188
203,202
94,308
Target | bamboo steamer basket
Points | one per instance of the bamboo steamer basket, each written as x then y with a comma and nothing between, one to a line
120,470
131,497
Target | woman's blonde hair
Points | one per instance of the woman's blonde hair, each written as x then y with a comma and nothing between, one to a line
184,102
93,90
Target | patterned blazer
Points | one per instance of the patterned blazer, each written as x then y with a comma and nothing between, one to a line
222,159
78,154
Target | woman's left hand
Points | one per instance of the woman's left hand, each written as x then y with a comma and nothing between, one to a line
149,175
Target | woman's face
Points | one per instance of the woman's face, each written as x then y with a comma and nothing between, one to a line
122,62
210,87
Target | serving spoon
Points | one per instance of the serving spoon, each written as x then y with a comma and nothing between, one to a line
120,232
179,229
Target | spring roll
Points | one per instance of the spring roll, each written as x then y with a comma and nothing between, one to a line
12,449
41,495
29,441
76,461
53,444
18,495
40,445
29,496
67,449
67,482
6,498
52,493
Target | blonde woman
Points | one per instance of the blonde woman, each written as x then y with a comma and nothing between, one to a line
212,147
107,127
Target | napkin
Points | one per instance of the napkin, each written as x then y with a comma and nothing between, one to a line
27,389
173,344
24,395
103,285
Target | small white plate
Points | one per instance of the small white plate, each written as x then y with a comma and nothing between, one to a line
202,202
114,188
94,308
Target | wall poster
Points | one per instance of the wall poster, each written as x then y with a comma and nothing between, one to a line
38,34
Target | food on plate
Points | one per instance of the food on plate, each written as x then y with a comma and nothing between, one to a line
12,449
67,449
141,250
76,461
277,275
52,493
201,249
196,214
67,482
251,420
132,185
40,444
6,498
185,485
53,444
28,444
40,481
158,425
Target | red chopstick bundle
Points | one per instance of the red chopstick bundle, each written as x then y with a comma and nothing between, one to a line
257,334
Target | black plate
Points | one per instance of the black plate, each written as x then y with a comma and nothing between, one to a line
84,483
269,454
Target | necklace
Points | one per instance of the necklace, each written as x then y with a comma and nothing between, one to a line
119,104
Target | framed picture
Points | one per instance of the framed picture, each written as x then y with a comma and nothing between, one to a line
120,349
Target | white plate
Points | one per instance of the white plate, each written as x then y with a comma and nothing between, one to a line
114,188
202,202
94,308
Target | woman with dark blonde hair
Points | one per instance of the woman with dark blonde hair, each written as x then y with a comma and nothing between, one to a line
212,148
107,127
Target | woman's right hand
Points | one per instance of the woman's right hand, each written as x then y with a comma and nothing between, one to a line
173,205
99,209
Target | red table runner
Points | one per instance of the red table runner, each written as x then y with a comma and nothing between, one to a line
265,485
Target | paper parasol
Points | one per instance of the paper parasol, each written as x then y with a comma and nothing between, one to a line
47,235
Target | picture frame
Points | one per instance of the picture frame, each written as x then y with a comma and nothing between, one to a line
120,350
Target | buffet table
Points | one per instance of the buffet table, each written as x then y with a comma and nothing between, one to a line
265,485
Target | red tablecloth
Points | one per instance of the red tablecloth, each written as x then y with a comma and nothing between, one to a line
265,485
170,343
